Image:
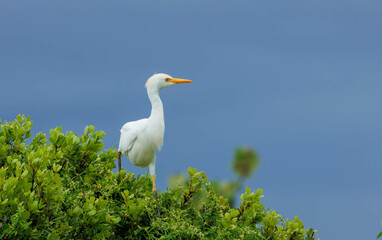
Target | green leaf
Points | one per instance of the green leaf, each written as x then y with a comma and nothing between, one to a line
192,171
2,176
92,212
25,215
19,118
10,184
28,134
86,130
91,200
56,167
25,173
91,128
234,213
115,219
77,210
32,205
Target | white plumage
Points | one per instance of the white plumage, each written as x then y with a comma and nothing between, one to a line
139,142
141,139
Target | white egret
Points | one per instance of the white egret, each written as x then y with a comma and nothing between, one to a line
142,138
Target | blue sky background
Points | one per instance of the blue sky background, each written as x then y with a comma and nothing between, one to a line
299,81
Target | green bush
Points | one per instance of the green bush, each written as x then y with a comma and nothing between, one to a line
63,187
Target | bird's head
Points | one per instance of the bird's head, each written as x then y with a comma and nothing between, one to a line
162,80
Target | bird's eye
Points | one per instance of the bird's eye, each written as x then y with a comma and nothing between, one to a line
167,79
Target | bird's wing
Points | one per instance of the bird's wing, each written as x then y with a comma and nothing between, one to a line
129,134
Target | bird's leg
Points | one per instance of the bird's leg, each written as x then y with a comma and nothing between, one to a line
154,187
155,194
119,160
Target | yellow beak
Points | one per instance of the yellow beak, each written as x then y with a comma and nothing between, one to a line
178,80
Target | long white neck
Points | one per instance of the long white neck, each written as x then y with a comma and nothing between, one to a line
156,105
